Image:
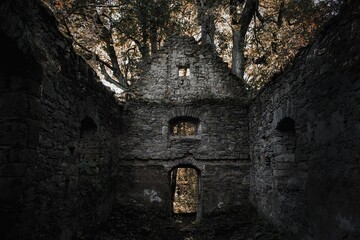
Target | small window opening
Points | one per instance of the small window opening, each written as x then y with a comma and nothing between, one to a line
286,125
286,134
184,126
184,71
185,190
88,127
184,129
71,149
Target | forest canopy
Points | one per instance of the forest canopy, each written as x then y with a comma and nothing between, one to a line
257,38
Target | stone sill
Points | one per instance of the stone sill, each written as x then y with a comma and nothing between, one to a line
185,138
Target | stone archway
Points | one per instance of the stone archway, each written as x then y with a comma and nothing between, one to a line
185,191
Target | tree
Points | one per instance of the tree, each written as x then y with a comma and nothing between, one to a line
256,37
279,29
116,35
266,34
206,20
240,28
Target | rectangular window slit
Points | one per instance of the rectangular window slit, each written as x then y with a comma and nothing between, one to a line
184,71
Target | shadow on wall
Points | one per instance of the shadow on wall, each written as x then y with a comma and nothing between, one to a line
20,113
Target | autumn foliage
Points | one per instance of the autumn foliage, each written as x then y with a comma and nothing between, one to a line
257,38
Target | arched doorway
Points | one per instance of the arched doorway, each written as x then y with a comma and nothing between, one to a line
185,191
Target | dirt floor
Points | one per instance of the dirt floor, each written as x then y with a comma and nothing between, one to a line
130,224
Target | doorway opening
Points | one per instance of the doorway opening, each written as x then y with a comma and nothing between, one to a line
185,192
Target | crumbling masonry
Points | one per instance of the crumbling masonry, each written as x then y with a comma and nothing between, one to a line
69,151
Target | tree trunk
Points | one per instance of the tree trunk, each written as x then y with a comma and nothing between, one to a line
153,37
108,78
237,56
114,62
208,29
144,49
239,36
106,36
206,20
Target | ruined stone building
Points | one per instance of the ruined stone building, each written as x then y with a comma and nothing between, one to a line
208,98
69,151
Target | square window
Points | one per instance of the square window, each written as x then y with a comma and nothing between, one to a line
184,71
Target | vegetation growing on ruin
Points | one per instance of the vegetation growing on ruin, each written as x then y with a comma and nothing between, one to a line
257,38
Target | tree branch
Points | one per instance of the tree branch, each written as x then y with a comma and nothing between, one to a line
97,58
106,36
280,14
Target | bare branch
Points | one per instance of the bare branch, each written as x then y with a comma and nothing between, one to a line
280,14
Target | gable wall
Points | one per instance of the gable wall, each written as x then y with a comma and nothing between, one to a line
209,78
219,150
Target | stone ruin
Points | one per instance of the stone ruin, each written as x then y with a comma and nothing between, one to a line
208,98
69,151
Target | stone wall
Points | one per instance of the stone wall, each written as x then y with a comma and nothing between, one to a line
19,130
149,152
206,76
58,126
185,80
304,138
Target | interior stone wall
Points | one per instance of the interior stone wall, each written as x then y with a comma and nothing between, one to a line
312,189
19,126
219,150
56,176
149,152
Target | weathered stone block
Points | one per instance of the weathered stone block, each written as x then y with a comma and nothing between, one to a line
282,173
11,190
284,165
13,133
285,158
14,104
13,169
